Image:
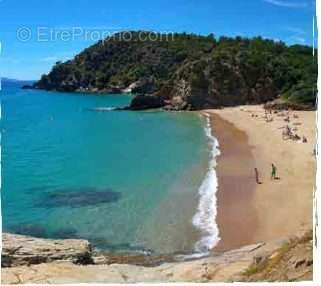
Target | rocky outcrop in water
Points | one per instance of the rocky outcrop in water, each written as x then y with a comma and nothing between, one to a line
141,102
27,86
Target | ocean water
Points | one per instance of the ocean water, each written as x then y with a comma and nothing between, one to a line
126,181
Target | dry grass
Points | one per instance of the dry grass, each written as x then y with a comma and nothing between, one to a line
276,266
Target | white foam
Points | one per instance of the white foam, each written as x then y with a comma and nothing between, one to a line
205,218
104,108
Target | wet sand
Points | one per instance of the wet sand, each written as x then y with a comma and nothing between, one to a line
236,217
248,212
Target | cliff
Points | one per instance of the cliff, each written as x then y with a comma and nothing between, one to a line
184,72
18,250
283,260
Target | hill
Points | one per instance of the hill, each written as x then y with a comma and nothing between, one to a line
10,82
186,71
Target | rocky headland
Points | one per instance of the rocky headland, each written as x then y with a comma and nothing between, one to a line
190,72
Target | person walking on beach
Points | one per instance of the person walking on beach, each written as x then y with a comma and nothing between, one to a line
257,176
273,174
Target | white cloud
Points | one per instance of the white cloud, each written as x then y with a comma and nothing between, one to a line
287,4
62,57
297,39
297,35
296,30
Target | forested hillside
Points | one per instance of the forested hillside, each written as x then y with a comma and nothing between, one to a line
185,71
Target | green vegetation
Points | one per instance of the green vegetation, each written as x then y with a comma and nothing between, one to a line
293,261
220,72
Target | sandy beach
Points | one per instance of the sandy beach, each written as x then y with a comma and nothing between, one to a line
249,212
262,217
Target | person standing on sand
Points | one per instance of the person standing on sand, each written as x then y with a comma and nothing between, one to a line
257,176
273,174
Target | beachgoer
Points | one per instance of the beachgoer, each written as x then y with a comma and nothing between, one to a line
295,137
257,176
273,174
287,133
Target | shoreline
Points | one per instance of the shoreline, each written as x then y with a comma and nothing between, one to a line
237,211
204,220
236,219
263,218
72,261
275,208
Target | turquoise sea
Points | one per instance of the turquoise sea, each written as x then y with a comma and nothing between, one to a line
126,181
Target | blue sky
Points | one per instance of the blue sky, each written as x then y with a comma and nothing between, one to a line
34,34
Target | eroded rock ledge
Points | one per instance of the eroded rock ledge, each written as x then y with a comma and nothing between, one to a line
18,250
288,259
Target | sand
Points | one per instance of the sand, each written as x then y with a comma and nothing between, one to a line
235,215
250,212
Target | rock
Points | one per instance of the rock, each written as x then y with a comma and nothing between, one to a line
280,104
274,255
231,266
65,233
132,259
299,262
144,85
141,102
85,196
27,86
129,88
225,267
20,250
34,230
112,89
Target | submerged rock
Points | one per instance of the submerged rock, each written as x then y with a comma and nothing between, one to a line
20,250
101,244
77,197
35,230
65,233
27,86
